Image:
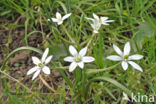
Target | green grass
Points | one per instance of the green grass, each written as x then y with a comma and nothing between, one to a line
134,21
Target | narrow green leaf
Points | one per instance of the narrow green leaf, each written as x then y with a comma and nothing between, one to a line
17,50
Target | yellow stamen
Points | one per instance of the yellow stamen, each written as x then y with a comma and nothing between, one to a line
77,58
126,57
40,64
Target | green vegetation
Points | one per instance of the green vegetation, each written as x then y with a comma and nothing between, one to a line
100,82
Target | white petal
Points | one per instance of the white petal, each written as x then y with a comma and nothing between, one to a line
66,16
48,59
104,23
117,50
72,66
89,18
58,15
46,70
54,20
127,48
93,26
81,65
60,22
124,65
95,16
72,50
48,19
88,59
136,66
69,59
135,57
114,58
103,19
83,52
32,70
36,61
95,31
44,56
36,74
109,21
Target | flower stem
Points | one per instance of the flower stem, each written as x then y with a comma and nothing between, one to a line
88,41
90,71
68,34
61,68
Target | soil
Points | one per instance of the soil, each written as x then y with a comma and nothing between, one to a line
21,62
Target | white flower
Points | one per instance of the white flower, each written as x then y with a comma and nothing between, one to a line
78,59
96,26
59,19
125,58
40,64
97,21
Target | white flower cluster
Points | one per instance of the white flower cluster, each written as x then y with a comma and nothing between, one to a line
79,58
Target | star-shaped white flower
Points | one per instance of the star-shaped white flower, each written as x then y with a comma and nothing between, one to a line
59,19
78,59
125,58
97,21
40,64
96,26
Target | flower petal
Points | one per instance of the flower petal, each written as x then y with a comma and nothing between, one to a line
45,54
95,16
32,70
48,59
104,23
135,57
117,50
46,70
103,19
58,15
36,61
109,21
54,20
81,65
89,18
36,74
66,16
72,50
83,51
127,48
93,26
60,22
114,58
95,31
72,66
69,59
136,66
124,65
88,59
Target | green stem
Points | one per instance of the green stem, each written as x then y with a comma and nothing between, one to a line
91,39
88,41
19,49
89,71
68,34
61,68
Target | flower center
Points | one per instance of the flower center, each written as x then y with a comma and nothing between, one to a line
59,18
77,58
97,26
126,57
40,64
